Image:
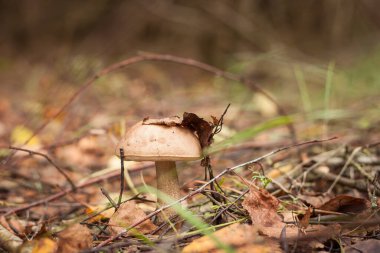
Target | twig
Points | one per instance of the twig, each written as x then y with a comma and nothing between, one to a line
66,191
49,160
228,207
164,58
371,145
353,183
206,161
303,175
201,188
219,125
121,177
349,160
105,193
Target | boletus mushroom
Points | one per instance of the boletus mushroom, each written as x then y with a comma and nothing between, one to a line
163,142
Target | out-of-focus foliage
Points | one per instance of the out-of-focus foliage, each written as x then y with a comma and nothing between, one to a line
209,30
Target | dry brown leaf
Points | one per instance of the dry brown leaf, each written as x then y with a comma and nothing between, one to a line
203,128
128,214
262,207
368,246
170,121
304,221
74,239
314,200
346,204
243,237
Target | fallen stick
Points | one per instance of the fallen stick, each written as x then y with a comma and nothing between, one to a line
50,161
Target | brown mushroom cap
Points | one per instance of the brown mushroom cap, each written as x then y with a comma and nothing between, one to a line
160,143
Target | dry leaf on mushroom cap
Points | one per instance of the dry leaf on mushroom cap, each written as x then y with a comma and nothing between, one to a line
169,121
202,128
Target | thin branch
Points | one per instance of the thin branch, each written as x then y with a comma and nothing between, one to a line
219,125
348,162
201,188
49,160
228,207
121,177
164,58
106,194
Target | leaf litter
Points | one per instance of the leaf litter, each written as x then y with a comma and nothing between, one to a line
315,220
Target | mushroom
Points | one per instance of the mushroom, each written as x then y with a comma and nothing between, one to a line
163,144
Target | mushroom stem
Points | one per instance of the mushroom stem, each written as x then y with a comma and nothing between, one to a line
167,182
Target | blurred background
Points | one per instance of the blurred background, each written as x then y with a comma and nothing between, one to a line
319,59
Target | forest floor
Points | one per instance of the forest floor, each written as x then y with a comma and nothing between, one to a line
298,175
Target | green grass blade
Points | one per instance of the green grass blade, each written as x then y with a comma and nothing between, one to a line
306,101
249,133
193,220
327,96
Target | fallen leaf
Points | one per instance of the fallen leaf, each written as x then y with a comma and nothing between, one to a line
94,211
304,220
243,237
42,245
262,207
74,239
8,240
314,200
368,246
45,245
21,134
128,214
346,204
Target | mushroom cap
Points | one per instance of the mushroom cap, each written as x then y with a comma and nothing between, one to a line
144,142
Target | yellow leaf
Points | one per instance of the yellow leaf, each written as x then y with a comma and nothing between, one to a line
45,245
21,134
92,210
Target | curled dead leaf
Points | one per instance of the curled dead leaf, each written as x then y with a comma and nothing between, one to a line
128,214
346,204
201,127
169,121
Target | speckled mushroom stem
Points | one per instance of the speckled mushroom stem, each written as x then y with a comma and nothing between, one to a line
167,182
